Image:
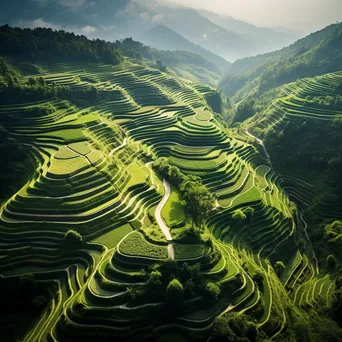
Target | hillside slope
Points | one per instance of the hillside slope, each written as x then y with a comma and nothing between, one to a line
266,38
163,38
314,55
300,124
90,150
120,19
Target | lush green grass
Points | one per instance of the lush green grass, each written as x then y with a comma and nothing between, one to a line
113,237
137,175
136,245
67,166
188,251
173,211
65,153
81,147
68,135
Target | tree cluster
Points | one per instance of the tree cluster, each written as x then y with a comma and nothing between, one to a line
45,44
199,200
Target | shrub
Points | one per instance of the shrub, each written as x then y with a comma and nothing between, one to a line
333,232
73,237
174,298
213,290
155,279
238,215
233,327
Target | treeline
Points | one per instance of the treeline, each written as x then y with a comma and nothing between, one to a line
35,89
45,44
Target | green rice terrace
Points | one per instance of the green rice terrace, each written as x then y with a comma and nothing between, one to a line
129,212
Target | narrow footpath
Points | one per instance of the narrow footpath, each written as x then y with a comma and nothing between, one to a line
165,229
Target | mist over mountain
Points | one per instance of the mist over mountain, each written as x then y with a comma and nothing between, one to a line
221,35
169,172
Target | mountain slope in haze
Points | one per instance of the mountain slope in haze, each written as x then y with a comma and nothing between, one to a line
130,18
163,38
316,54
189,66
200,30
266,38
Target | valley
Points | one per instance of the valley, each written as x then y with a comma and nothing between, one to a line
134,207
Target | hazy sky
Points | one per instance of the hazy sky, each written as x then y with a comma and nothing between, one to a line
302,15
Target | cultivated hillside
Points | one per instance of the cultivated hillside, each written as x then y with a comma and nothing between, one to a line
130,212
301,125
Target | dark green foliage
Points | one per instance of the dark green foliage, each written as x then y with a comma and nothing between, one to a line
73,237
22,301
244,110
154,278
199,200
249,212
11,176
174,297
316,54
259,278
216,102
235,328
44,44
331,262
337,300
134,49
333,232
8,74
213,290
35,89
93,94
160,65
279,266
239,215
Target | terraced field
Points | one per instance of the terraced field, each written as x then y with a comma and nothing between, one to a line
92,172
296,102
308,104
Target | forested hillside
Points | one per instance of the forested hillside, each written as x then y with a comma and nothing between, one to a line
43,44
314,55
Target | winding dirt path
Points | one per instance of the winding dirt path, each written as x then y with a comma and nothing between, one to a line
165,229
261,143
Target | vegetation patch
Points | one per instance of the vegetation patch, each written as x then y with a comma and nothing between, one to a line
136,245
174,210
113,237
188,251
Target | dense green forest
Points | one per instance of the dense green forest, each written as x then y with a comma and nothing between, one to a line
42,44
314,55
